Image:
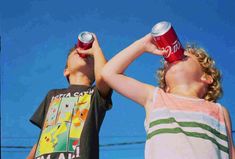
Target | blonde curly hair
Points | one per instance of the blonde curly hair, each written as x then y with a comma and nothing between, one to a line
214,91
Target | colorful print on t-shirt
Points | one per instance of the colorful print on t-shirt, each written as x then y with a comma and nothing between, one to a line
64,123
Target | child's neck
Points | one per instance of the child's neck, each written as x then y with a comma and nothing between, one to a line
79,78
187,91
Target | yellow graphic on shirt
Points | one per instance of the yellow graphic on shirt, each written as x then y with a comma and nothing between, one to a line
80,113
49,139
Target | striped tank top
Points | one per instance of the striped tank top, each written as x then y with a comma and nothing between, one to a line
185,128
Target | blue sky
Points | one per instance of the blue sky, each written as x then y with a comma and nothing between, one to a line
36,36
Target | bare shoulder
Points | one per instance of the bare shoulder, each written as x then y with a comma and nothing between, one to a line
227,119
226,113
228,125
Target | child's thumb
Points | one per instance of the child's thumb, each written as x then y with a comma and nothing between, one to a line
88,51
160,52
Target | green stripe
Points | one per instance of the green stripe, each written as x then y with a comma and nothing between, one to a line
190,124
191,134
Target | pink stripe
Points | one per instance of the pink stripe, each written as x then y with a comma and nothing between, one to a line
176,102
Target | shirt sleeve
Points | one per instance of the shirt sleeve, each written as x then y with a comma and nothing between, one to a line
39,115
99,107
105,103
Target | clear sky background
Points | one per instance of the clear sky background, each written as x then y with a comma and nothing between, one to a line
37,34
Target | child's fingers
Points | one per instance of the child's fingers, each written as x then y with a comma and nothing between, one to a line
95,43
81,51
149,37
146,39
160,52
94,36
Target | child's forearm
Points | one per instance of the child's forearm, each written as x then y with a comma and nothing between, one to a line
99,62
129,87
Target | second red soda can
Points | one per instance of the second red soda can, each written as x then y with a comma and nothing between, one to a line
165,38
85,40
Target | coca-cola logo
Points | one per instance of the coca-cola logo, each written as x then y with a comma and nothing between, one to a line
171,49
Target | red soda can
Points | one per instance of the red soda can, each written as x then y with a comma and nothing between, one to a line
165,38
85,40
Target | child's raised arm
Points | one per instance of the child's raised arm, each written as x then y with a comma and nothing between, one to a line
99,62
129,87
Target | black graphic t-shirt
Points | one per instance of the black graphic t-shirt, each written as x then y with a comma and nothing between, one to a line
70,120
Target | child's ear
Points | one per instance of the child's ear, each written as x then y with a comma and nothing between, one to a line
206,78
66,72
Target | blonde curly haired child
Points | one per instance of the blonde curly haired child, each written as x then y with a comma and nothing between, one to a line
182,119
